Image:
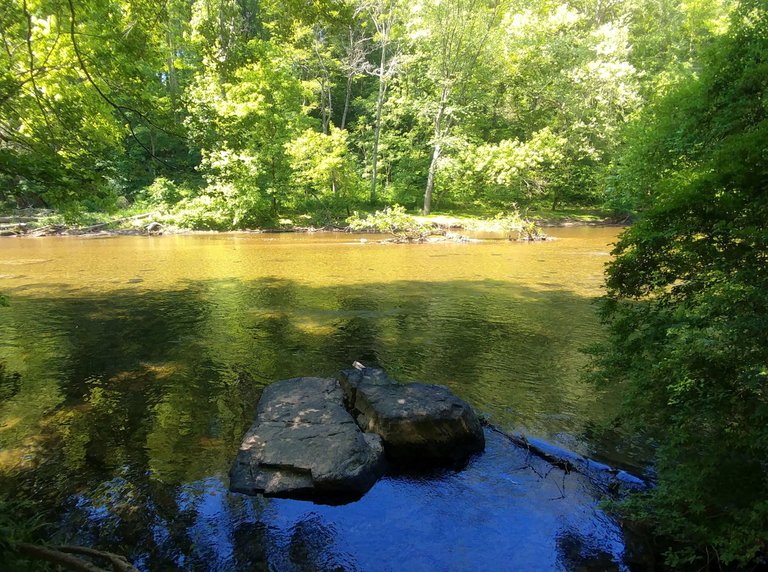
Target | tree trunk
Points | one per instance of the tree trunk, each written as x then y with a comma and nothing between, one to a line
274,187
153,149
377,128
323,107
326,103
173,82
435,152
347,96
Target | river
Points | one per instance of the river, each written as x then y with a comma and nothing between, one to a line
140,361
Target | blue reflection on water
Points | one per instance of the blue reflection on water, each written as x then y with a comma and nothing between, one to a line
505,511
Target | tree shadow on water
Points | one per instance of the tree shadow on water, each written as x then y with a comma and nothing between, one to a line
153,390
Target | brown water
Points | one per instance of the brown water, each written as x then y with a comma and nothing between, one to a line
141,358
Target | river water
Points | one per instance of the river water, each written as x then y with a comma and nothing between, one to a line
140,361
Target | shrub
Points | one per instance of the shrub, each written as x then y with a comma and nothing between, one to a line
393,220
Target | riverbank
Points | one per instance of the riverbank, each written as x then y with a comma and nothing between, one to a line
40,222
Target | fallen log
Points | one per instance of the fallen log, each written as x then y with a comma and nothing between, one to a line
609,479
523,443
17,219
93,227
47,230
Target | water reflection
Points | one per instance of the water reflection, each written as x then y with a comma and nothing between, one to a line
179,371
505,511
128,399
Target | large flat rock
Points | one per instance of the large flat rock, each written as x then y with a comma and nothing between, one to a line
304,444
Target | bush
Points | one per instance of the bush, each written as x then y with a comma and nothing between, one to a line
162,192
687,308
392,220
514,223
221,207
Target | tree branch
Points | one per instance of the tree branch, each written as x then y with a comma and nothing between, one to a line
121,109
65,556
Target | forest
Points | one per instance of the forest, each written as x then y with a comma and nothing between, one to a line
236,113
242,114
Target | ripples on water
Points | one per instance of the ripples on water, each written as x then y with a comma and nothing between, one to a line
505,511
141,360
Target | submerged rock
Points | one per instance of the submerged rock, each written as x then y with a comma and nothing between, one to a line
304,444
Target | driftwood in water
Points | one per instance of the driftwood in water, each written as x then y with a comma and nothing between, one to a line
608,479
523,443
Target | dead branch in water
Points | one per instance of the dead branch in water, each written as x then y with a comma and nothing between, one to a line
523,443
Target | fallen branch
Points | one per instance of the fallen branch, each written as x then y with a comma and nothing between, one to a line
17,219
119,563
522,442
65,556
118,220
55,557
47,230
608,479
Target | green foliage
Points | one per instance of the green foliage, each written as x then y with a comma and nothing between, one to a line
688,304
162,192
221,206
393,220
323,166
243,134
20,521
515,223
285,102
514,171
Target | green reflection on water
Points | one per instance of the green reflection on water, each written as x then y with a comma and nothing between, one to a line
147,356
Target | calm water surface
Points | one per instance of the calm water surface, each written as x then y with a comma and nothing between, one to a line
141,360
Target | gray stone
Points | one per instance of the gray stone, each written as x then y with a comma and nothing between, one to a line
420,424
350,380
304,444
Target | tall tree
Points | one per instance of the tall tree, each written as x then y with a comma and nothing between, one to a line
383,15
455,34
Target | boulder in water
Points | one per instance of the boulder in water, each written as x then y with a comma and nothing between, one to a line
420,424
304,444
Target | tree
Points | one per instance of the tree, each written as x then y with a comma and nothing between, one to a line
455,34
382,13
687,304
322,164
243,137
53,127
